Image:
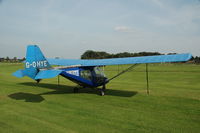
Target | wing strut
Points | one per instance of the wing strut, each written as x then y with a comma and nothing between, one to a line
147,78
129,68
58,80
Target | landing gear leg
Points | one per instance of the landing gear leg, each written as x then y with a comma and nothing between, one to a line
102,91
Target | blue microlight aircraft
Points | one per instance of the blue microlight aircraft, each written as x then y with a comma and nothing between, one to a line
86,73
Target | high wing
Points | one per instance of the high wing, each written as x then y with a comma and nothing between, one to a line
121,61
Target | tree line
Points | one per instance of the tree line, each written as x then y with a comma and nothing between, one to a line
90,54
195,59
12,60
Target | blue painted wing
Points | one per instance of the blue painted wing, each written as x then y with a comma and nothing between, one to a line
121,61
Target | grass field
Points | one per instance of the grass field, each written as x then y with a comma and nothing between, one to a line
173,105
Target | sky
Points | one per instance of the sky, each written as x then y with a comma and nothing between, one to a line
67,28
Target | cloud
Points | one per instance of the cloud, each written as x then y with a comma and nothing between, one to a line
123,29
84,42
158,2
184,19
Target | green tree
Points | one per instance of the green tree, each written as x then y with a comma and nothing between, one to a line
7,59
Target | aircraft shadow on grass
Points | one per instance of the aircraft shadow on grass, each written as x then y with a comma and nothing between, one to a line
63,89
28,97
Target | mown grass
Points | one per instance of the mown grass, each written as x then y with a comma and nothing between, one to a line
172,106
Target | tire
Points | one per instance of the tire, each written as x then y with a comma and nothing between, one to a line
102,93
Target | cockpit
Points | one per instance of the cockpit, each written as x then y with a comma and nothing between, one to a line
86,74
99,76
94,74
99,72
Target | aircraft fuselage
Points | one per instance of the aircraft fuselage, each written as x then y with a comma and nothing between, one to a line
85,76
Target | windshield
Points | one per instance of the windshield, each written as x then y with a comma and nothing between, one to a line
86,74
99,72
99,75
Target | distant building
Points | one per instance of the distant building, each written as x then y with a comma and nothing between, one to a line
1,59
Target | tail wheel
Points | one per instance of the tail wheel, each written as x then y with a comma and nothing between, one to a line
38,81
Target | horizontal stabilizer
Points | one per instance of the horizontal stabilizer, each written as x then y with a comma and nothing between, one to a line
19,74
44,74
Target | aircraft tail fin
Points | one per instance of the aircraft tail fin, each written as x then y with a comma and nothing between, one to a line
35,61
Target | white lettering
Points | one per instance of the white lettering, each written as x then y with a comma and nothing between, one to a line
27,65
45,63
73,72
36,64
42,63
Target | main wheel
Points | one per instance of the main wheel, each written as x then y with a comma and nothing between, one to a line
102,93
